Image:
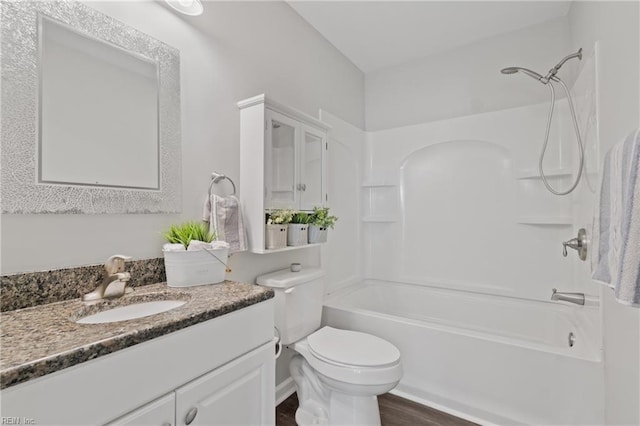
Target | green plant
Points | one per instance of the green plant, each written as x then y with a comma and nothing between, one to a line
301,218
189,231
320,217
279,217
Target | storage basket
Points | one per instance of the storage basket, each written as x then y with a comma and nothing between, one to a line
317,234
276,236
297,234
198,267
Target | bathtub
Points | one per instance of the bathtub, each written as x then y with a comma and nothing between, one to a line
486,358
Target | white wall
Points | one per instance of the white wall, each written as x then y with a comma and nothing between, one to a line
233,51
615,25
466,80
342,252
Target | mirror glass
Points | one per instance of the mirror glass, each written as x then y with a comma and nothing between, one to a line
283,141
98,112
90,113
312,169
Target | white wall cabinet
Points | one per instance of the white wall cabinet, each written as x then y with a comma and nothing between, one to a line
283,163
223,368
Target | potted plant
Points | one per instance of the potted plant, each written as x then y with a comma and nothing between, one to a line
320,221
298,229
276,229
193,256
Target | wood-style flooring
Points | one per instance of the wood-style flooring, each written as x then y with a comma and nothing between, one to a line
394,411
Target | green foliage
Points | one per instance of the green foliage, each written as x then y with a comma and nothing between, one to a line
320,217
279,217
301,218
186,232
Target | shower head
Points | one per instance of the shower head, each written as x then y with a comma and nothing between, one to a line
514,70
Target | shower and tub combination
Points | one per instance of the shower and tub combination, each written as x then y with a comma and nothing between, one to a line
462,253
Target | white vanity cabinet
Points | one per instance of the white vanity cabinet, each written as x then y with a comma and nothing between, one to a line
283,163
238,393
222,371
161,412
235,394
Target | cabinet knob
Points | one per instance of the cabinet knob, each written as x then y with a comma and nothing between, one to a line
191,415
304,186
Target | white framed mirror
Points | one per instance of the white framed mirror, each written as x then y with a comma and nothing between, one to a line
91,113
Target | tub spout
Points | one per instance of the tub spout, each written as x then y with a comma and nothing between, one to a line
577,298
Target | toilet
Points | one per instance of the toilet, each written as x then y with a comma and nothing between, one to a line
338,373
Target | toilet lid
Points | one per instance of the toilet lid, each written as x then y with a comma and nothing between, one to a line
352,348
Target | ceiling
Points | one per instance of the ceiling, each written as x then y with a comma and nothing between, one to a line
380,34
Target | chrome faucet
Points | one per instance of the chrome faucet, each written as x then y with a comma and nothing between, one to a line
579,244
577,298
114,283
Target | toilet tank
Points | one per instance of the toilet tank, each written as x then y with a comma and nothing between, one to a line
298,301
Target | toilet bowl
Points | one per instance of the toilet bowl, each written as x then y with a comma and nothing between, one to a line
338,373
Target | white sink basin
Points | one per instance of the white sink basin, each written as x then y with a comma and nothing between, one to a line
129,312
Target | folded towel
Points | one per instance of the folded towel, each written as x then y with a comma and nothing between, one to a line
173,247
218,245
196,245
615,254
225,218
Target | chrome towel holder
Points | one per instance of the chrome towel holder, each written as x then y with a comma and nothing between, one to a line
216,178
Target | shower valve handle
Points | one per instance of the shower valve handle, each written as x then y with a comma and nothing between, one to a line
579,244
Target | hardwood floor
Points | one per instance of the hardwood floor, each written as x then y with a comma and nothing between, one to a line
394,411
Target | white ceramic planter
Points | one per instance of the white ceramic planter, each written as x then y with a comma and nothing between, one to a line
275,236
298,234
317,234
199,267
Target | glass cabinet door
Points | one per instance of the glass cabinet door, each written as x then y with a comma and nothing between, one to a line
281,162
312,161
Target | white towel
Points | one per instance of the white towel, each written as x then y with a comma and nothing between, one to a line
173,247
225,218
196,245
615,254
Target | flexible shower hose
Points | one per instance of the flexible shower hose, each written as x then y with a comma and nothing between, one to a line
546,139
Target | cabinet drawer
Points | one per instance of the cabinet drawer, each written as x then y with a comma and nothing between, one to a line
160,412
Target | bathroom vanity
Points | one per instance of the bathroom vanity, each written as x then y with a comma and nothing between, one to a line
210,361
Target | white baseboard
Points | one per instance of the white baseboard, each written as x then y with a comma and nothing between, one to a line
481,418
284,390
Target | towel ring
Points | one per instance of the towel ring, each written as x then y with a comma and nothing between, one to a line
216,178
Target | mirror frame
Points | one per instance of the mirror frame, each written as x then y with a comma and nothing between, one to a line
20,190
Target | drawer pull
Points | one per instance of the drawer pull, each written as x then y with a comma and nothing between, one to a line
191,415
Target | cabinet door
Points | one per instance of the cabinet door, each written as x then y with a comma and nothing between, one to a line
281,162
241,392
160,412
313,148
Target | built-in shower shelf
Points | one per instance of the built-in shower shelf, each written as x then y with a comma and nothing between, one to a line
535,173
380,219
377,184
545,220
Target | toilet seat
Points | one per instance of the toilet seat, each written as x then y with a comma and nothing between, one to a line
352,348
320,359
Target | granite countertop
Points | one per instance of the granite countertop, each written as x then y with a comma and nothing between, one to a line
43,339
